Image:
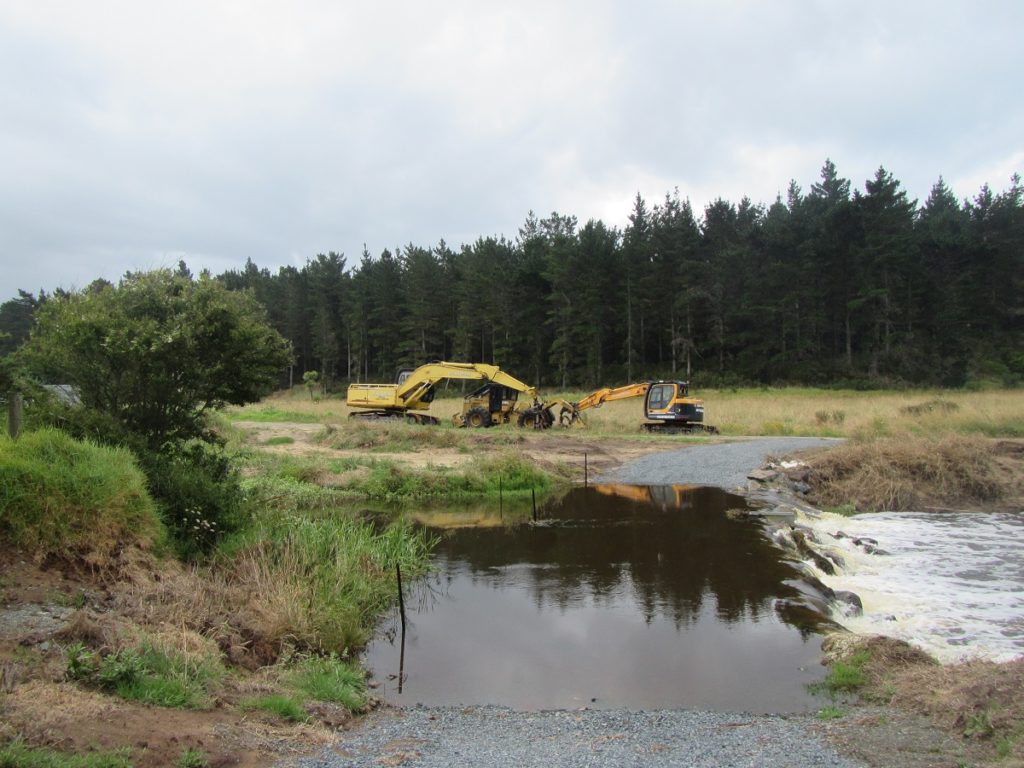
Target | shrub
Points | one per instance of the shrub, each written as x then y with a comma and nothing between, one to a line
73,499
198,491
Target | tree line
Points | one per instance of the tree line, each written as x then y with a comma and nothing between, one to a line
832,286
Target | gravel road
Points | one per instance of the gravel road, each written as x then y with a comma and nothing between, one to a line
436,737
433,737
722,464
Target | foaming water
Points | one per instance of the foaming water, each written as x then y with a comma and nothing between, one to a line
951,583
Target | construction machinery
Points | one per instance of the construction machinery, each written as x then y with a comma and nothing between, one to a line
495,401
668,407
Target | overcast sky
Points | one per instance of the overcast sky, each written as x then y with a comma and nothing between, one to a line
134,134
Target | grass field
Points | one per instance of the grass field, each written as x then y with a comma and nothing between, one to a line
790,411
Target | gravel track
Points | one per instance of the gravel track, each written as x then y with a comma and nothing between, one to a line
436,737
495,737
722,464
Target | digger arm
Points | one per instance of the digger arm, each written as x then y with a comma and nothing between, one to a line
602,396
426,376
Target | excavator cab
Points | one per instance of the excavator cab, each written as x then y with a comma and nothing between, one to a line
489,404
668,407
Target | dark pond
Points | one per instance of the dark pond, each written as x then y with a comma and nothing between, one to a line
619,596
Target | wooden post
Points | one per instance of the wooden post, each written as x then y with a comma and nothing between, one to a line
14,410
501,500
586,472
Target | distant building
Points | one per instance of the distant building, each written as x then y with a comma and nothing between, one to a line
65,393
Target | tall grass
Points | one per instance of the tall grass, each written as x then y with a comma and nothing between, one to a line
784,411
68,498
909,472
320,583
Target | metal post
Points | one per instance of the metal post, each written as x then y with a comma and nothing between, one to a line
14,411
401,599
586,471
501,500
533,496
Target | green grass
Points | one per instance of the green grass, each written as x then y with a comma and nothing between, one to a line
266,414
151,675
192,758
332,679
847,676
285,707
279,440
18,755
67,498
508,473
831,713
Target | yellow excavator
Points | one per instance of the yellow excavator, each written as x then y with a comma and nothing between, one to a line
495,401
668,407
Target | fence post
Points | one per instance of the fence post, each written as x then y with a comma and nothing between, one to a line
15,403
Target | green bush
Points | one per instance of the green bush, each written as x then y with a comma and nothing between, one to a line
198,491
70,498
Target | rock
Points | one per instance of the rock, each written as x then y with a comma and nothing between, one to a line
823,563
780,510
800,487
861,541
850,602
763,475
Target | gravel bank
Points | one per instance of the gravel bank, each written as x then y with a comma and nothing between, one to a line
438,737
496,737
721,464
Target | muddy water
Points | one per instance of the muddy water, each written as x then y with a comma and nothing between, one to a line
618,596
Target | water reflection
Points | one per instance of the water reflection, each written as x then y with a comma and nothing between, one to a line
616,596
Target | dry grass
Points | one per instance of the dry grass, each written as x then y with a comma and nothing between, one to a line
790,411
908,473
979,701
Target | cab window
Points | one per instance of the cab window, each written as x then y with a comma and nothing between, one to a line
660,396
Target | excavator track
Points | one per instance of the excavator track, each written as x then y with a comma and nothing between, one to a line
410,418
680,429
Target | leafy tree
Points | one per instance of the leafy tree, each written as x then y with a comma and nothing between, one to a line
16,319
158,351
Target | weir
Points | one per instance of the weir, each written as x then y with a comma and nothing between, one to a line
949,583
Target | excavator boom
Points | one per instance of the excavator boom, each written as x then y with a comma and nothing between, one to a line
414,390
602,396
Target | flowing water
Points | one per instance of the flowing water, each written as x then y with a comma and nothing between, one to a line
617,596
950,583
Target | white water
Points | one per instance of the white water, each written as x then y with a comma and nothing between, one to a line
952,583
